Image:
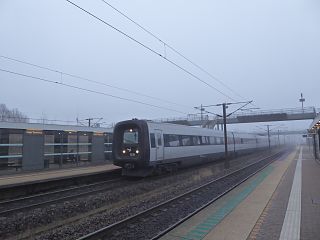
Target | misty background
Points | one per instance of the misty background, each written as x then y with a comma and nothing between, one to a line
266,51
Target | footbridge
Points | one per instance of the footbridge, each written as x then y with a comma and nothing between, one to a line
284,133
289,114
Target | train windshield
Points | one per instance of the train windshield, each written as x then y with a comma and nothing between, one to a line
130,136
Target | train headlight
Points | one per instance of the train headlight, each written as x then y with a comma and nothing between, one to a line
137,151
123,151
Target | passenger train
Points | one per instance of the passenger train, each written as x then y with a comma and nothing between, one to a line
144,147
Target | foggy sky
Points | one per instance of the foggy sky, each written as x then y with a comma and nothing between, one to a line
267,51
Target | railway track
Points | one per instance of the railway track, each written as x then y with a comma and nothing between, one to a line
34,186
38,200
156,221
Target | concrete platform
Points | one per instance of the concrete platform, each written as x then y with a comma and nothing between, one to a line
281,202
49,175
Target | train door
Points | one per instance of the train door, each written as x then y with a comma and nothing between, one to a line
159,145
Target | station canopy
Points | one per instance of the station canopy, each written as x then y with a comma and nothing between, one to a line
315,125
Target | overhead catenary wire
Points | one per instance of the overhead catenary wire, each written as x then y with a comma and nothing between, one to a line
172,48
90,80
90,90
149,49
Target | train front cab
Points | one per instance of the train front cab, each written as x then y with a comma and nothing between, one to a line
131,147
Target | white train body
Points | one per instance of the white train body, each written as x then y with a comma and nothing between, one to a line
141,147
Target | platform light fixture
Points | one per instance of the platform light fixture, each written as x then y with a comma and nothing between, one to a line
70,131
99,134
34,131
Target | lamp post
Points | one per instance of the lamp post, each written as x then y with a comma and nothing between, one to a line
302,100
268,127
224,108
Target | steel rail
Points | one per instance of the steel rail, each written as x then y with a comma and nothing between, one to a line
48,194
214,199
100,233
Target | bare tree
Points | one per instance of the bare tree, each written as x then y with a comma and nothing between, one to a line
11,115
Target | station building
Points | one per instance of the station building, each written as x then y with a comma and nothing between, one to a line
31,146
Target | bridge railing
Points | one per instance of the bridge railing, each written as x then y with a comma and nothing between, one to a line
195,117
278,111
188,118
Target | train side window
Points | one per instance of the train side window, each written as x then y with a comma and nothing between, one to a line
166,140
220,140
199,140
186,140
153,140
159,139
204,140
171,140
195,140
